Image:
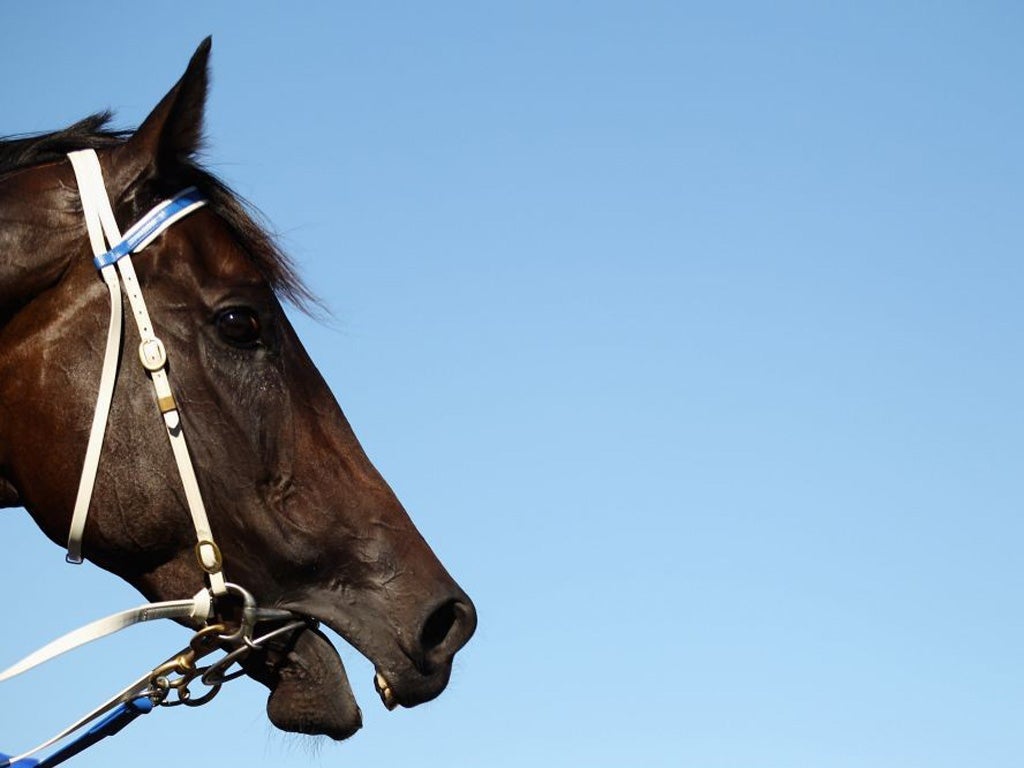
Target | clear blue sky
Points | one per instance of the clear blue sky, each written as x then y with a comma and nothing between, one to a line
690,335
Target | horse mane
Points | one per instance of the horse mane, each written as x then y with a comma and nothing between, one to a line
20,152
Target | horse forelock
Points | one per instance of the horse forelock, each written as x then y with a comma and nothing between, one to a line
24,152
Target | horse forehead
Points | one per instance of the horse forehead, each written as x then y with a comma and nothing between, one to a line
209,245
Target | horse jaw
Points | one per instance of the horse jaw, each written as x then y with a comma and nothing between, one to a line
309,689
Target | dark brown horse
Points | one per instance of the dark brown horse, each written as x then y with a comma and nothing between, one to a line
304,520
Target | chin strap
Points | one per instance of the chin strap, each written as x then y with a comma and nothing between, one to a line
112,264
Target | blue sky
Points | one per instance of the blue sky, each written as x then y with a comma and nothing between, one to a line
689,334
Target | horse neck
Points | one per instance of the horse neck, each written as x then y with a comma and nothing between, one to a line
37,235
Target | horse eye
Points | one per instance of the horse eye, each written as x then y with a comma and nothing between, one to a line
239,326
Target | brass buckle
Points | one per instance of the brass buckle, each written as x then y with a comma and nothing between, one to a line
218,559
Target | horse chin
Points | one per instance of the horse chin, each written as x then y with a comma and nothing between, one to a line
309,689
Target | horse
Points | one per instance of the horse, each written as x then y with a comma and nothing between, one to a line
306,523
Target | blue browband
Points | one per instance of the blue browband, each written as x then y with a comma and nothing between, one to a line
152,224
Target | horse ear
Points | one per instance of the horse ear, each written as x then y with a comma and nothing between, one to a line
173,132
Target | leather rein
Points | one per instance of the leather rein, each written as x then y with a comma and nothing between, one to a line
227,613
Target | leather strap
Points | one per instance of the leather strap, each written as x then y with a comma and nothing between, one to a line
129,693
100,221
199,608
108,375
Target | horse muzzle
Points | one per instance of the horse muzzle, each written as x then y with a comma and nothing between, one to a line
309,688
422,670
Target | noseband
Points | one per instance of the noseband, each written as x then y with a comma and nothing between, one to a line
228,614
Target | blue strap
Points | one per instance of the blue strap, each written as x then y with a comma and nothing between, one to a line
149,226
118,718
28,762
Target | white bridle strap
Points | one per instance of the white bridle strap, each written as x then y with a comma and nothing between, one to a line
110,357
100,221
199,608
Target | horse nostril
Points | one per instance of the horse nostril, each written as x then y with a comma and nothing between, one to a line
438,625
446,630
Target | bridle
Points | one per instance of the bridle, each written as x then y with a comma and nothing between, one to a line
112,264
227,614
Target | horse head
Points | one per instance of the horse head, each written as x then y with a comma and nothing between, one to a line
304,520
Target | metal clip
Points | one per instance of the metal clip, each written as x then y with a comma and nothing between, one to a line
179,672
243,633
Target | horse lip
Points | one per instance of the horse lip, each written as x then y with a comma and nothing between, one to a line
400,678
309,688
380,682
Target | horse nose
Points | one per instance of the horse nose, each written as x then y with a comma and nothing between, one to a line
446,630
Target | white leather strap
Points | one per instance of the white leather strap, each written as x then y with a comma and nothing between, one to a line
101,223
199,608
110,359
